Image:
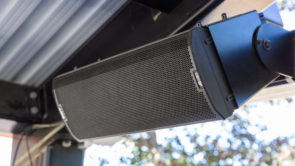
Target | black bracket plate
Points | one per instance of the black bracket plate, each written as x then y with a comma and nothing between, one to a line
233,39
275,48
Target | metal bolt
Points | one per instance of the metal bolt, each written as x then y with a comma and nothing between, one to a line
34,110
208,41
229,98
81,145
267,45
66,143
199,24
224,16
33,95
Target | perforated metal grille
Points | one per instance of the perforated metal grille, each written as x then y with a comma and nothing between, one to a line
145,89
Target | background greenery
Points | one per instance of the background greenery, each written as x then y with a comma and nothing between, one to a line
242,146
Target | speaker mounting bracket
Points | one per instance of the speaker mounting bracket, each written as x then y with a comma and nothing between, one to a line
275,48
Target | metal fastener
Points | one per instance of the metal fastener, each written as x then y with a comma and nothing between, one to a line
267,45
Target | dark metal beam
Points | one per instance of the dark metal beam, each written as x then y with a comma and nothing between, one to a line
136,25
165,6
19,103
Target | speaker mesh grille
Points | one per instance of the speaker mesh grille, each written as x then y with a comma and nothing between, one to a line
149,88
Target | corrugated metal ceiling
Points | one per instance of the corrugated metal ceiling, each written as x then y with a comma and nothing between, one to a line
37,36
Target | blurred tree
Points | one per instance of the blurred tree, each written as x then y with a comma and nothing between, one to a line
286,4
242,146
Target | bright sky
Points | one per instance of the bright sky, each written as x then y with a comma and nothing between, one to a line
5,150
279,119
288,19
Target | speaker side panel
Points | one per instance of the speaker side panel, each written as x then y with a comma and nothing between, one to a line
212,73
148,88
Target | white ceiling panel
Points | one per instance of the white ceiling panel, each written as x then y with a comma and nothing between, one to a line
36,36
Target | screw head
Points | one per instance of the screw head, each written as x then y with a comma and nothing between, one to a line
33,95
66,143
224,16
34,110
198,24
267,45
229,97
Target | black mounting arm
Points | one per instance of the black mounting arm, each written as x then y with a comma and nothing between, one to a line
253,52
276,48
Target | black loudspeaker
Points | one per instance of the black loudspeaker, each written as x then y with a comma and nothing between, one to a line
174,81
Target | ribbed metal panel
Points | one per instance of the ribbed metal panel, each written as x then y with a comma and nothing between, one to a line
37,36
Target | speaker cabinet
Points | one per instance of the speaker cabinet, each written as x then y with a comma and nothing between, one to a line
170,82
